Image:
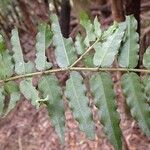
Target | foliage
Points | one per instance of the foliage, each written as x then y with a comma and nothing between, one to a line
2,97
129,50
146,83
136,100
21,67
104,97
43,38
6,65
78,101
29,91
65,51
106,51
49,86
146,58
12,89
97,49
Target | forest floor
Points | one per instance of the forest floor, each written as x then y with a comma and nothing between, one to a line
26,128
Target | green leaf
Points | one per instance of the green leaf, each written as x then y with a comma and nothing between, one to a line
136,100
109,31
146,58
2,44
81,48
89,28
102,88
14,98
79,44
12,90
76,94
65,51
2,98
88,60
106,52
129,50
6,65
146,83
29,91
5,5
20,66
97,27
50,88
11,87
43,40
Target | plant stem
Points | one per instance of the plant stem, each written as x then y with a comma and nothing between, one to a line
88,50
75,69
33,74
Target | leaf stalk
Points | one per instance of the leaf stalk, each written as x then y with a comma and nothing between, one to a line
74,69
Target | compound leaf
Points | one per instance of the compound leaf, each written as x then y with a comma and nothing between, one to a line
12,89
79,44
129,50
43,40
6,65
75,93
2,98
64,51
14,98
109,31
136,100
50,88
102,88
88,60
2,44
146,58
89,28
20,66
146,83
97,28
106,52
29,91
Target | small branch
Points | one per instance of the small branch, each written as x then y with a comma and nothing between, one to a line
75,69
109,69
34,74
87,51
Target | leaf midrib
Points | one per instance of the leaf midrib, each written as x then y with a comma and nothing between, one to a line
16,47
110,44
42,51
109,114
53,100
62,41
77,100
136,98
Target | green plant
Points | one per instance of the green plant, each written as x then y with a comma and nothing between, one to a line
119,41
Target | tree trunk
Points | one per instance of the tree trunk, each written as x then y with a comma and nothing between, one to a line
65,18
117,10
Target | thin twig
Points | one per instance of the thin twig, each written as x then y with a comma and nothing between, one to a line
75,69
87,51
33,74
